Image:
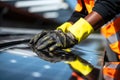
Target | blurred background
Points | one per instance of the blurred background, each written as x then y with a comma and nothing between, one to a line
35,13
20,20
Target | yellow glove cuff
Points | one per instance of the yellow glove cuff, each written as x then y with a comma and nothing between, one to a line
64,27
81,29
81,66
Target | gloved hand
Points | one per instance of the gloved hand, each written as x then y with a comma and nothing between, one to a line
34,40
56,39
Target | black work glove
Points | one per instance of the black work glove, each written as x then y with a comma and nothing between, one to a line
48,45
56,56
53,40
35,39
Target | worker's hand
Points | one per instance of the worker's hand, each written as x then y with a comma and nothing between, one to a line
35,39
56,39
64,27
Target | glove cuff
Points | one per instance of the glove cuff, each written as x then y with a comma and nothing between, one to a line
81,29
64,27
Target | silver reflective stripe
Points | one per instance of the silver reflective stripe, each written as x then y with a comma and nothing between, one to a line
113,66
114,38
108,78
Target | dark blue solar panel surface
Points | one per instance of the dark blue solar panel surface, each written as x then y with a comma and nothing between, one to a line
17,67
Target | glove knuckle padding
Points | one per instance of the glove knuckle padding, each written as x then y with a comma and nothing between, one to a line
46,41
54,39
39,35
36,38
65,40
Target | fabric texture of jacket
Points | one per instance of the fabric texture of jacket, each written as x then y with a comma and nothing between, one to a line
109,10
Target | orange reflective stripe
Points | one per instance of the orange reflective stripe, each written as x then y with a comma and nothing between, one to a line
114,42
111,71
78,6
115,47
111,31
77,76
111,28
108,30
89,5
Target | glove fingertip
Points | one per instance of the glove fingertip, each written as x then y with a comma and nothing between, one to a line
31,41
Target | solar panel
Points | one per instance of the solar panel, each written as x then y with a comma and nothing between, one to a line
17,67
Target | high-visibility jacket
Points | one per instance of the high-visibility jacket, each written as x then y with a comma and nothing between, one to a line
111,31
88,3
111,71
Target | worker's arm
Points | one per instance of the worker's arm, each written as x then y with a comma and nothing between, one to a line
107,8
103,11
76,15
